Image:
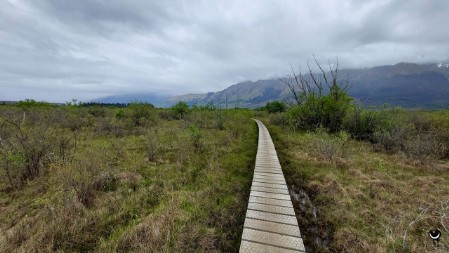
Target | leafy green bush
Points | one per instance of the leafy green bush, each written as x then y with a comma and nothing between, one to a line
414,135
97,111
321,99
120,114
180,109
141,113
195,137
275,106
219,120
363,124
326,111
23,152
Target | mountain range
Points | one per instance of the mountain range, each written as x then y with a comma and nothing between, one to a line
407,85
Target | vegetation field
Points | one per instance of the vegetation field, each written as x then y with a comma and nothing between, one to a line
382,195
362,179
85,178
132,179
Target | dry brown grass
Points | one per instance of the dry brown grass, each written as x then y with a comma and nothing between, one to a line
125,184
362,200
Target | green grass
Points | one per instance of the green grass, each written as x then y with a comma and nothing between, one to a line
353,198
110,195
146,180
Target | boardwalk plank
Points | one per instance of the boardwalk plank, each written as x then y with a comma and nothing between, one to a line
270,223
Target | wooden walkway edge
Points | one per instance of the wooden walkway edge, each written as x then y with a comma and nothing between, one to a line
270,222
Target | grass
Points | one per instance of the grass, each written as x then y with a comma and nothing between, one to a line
352,198
140,179
147,184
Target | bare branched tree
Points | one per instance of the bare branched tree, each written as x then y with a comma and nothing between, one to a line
320,98
303,86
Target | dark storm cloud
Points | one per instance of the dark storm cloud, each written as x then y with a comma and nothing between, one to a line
57,50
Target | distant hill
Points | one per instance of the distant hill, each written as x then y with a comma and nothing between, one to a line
155,99
246,94
404,84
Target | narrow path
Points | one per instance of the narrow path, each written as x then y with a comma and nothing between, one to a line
270,223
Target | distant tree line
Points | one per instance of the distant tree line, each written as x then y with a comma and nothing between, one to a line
93,104
34,103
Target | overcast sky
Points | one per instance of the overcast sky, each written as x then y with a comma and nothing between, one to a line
56,50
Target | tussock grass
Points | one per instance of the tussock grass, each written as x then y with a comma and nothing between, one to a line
127,180
351,197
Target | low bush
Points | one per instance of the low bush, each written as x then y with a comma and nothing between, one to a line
415,138
180,109
327,111
363,124
24,152
275,107
141,114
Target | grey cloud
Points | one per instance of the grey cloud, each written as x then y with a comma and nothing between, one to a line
106,16
400,21
57,49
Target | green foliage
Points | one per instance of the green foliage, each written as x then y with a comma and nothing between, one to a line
103,184
219,120
322,101
29,103
24,152
120,114
364,124
97,111
275,106
415,135
355,194
195,137
141,113
180,109
326,111
207,107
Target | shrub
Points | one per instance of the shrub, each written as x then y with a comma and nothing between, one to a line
115,127
219,120
74,119
278,119
363,124
415,137
97,111
180,109
120,114
141,113
195,137
167,114
153,146
328,146
24,152
275,106
84,176
321,99
326,111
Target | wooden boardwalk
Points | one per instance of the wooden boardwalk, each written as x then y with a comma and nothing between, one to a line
270,223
